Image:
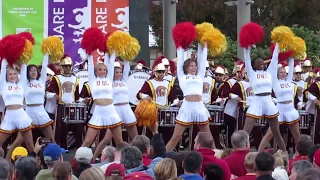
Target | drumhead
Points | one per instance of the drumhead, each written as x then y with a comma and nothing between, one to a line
135,82
83,77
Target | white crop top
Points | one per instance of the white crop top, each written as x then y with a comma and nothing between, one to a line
283,89
12,93
192,84
101,88
261,80
120,88
34,92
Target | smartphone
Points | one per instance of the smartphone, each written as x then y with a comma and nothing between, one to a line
45,141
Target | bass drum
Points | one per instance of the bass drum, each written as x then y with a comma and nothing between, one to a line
83,77
135,82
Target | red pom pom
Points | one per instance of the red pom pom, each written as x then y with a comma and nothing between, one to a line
283,56
251,34
93,39
184,34
27,36
12,47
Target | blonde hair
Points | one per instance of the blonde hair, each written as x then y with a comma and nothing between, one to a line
250,159
165,169
281,159
9,68
279,69
98,65
93,173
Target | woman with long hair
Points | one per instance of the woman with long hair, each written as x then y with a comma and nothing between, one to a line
191,74
121,103
262,105
15,118
104,114
283,89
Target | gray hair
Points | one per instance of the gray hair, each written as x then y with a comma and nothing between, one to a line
131,157
142,142
26,168
109,152
302,166
240,139
4,169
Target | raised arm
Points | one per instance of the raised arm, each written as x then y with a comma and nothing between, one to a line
110,67
247,61
126,70
3,72
180,56
23,75
43,75
274,61
201,59
291,66
91,75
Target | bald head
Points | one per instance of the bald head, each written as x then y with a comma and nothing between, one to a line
240,139
204,140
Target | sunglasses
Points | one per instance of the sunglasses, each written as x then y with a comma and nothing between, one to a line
207,68
160,71
297,73
216,74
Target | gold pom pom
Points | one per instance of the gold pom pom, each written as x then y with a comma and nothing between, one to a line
298,48
284,36
119,42
202,28
146,113
53,46
216,41
27,53
133,50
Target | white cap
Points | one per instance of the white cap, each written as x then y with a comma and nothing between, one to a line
280,65
49,71
207,64
219,70
84,154
226,71
117,64
165,61
160,67
306,63
287,69
139,66
297,69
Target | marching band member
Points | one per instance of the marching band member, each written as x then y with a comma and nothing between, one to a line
15,118
209,94
141,65
158,89
283,89
192,111
50,104
297,79
219,73
307,69
63,88
262,105
104,114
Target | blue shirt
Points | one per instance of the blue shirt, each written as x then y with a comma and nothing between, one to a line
191,177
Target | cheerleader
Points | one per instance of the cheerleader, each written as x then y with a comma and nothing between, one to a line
190,74
104,113
262,105
15,117
121,103
283,89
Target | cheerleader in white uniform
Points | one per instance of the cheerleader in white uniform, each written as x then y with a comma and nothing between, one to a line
104,115
190,74
15,118
262,105
121,103
283,89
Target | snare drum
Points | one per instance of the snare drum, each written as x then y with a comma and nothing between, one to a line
167,116
216,113
305,119
74,113
135,82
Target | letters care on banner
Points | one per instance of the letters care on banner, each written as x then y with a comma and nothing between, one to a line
67,19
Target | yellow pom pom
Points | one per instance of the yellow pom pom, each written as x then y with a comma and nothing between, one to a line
133,50
202,28
298,48
146,113
216,41
119,42
53,46
284,36
27,53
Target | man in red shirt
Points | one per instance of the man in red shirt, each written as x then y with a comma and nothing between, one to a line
142,142
249,165
302,148
202,144
236,160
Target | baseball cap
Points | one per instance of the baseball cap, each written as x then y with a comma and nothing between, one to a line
115,169
19,151
52,152
316,157
138,176
84,154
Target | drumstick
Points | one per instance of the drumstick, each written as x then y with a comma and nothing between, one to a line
135,63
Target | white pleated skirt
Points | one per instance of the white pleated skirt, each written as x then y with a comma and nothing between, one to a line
192,113
288,114
15,120
104,117
126,115
39,116
262,106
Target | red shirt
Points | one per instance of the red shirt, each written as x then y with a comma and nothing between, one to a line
146,160
295,159
209,158
236,162
249,176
